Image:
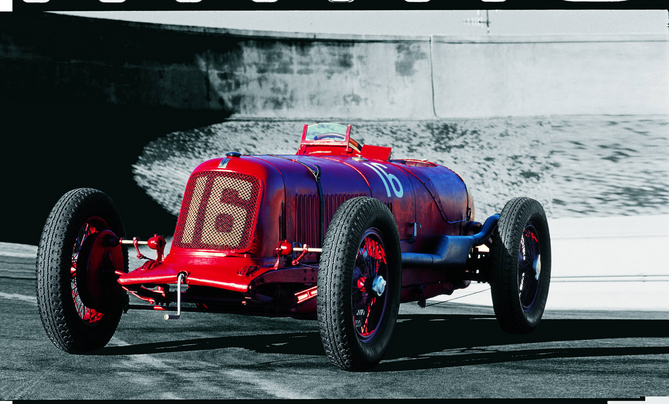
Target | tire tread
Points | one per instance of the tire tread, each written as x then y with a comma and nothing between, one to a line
506,243
53,263
339,250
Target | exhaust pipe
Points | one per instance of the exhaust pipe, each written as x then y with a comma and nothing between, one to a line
452,251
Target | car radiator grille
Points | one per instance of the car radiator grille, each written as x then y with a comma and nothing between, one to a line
307,214
218,211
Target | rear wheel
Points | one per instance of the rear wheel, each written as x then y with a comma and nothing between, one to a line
521,265
359,283
79,300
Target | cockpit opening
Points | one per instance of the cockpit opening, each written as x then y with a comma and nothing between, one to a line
328,138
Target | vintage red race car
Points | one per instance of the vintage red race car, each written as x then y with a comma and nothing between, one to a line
338,232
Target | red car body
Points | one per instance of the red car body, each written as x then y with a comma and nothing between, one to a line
338,232
237,210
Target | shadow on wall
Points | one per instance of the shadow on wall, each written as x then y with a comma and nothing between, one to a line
77,111
49,150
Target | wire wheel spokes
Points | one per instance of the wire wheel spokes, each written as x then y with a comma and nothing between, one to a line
368,300
90,316
91,226
86,230
529,267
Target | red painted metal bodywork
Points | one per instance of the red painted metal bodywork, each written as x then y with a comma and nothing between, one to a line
289,210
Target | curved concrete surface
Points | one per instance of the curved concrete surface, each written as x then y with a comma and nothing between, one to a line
77,89
255,74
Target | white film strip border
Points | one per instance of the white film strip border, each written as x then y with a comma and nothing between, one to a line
6,5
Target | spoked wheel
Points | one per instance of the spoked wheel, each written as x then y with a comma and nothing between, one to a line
90,228
79,300
529,267
368,300
521,265
359,283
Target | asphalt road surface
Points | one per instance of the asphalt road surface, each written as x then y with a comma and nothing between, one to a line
446,350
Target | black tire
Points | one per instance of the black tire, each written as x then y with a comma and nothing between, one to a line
68,322
521,253
360,224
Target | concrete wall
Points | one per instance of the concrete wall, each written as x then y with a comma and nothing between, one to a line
59,59
318,78
551,75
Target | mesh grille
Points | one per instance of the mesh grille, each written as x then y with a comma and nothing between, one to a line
218,211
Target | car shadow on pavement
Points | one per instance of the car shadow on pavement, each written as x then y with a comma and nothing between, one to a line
419,341
437,341
302,343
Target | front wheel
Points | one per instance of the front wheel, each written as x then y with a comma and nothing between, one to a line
521,265
79,300
359,284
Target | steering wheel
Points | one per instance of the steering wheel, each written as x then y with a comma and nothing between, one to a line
330,135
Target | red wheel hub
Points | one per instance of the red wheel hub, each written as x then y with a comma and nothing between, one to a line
368,302
100,257
361,284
